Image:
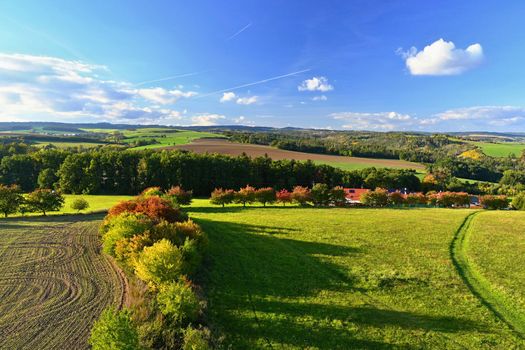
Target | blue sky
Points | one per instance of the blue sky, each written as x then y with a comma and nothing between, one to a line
362,65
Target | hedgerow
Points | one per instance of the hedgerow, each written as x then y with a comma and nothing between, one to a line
159,249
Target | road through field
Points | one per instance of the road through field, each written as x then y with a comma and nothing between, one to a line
53,282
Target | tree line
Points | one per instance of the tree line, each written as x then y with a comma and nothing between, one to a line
117,171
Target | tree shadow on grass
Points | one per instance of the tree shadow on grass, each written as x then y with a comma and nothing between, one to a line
249,272
39,221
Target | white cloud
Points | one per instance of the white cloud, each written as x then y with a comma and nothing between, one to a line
163,96
442,58
49,88
480,118
206,119
315,84
476,118
247,100
228,96
381,121
319,98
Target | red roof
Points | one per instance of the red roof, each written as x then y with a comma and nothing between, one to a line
354,194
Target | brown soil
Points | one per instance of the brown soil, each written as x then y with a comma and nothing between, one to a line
235,149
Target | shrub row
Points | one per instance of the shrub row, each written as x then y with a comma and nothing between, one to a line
381,198
322,195
160,249
319,195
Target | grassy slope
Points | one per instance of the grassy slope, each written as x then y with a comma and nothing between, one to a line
359,166
172,138
341,278
53,282
500,149
496,247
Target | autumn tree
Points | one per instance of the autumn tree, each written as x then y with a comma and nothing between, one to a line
301,195
222,197
179,196
265,195
245,195
284,196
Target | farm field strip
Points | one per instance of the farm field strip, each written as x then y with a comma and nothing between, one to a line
53,282
346,163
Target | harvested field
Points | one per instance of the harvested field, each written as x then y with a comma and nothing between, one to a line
54,282
235,149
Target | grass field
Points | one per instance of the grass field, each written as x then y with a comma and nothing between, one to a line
165,136
70,144
495,249
53,282
346,163
299,278
500,149
97,203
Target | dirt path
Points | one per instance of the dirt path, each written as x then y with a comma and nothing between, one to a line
479,285
54,282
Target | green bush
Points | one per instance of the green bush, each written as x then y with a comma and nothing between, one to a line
196,339
125,225
178,232
494,202
376,198
161,263
177,301
320,194
518,202
79,204
114,330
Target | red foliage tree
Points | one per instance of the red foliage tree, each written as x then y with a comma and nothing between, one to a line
284,196
154,207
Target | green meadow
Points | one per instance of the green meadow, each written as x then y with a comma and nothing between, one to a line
500,149
336,278
165,136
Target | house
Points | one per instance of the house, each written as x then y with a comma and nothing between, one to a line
353,195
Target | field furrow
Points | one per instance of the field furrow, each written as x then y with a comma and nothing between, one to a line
53,282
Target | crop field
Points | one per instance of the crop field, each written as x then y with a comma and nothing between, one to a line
164,136
500,149
70,144
346,163
53,282
297,278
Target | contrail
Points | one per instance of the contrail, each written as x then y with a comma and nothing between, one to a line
255,83
169,78
47,37
240,31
